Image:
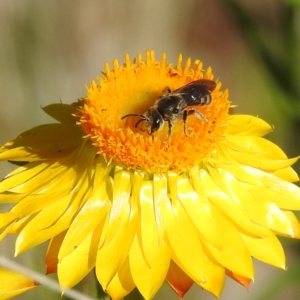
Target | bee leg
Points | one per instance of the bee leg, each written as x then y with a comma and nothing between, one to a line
184,117
169,129
200,116
197,113
167,90
191,111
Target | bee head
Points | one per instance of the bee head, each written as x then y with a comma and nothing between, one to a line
154,120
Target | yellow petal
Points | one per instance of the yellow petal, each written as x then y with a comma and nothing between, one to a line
148,279
54,219
6,219
215,276
189,255
52,253
255,145
178,280
261,212
227,162
48,223
197,207
287,194
294,223
15,228
40,177
228,205
268,250
63,113
238,278
7,222
269,165
247,125
90,215
72,268
109,261
50,191
122,284
43,142
161,203
288,174
268,187
118,231
269,215
14,284
234,254
15,183
120,209
57,216
7,197
148,232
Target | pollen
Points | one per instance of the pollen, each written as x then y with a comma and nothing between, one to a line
133,88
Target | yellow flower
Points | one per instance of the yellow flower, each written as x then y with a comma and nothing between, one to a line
144,208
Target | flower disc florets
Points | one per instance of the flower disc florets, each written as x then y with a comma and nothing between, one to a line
132,89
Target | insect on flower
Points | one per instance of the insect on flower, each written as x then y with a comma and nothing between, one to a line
176,104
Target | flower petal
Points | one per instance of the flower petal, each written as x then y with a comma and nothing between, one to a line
247,125
238,278
220,196
52,253
43,142
178,280
48,223
118,231
263,212
6,219
215,275
63,113
268,165
180,228
255,145
70,273
268,250
294,223
148,233
15,182
90,215
14,284
232,247
122,283
288,174
285,194
149,278
197,207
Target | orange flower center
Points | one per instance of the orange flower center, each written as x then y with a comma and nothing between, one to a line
134,88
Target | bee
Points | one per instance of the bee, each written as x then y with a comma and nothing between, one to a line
176,104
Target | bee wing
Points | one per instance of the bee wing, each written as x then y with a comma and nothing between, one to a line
205,83
197,92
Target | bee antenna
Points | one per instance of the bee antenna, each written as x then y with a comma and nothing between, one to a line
133,115
141,120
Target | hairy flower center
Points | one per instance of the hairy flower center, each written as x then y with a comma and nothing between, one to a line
133,89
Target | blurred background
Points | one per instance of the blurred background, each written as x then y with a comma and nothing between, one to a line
49,50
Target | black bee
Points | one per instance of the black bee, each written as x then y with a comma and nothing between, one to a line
174,105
